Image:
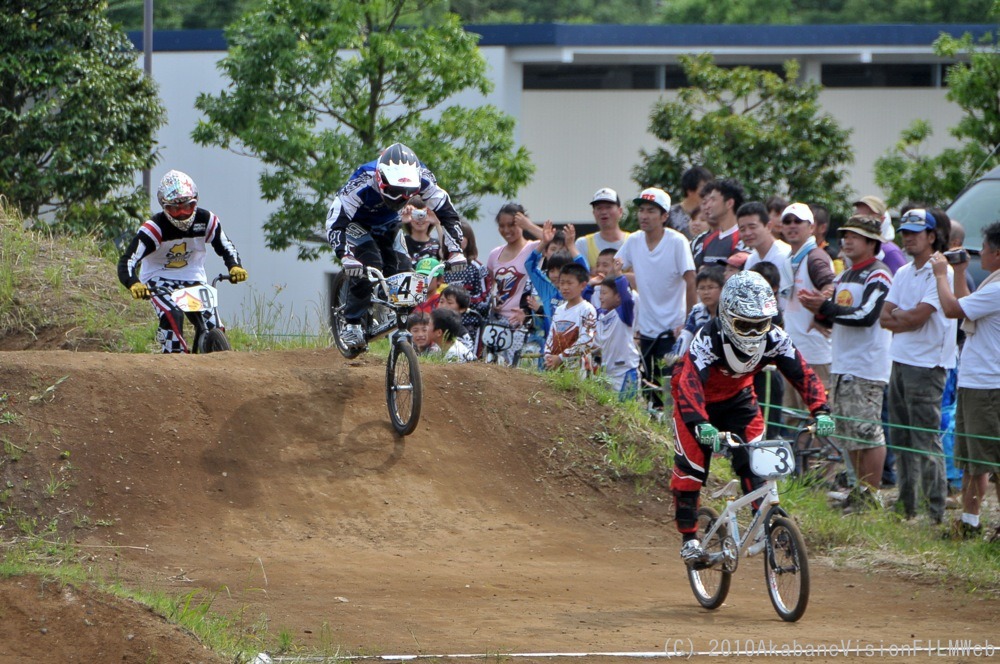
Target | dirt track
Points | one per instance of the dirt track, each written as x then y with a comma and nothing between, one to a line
274,481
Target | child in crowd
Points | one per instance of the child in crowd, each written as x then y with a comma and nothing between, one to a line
472,278
605,267
447,333
615,335
456,298
571,333
708,284
735,264
545,277
433,269
419,326
419,222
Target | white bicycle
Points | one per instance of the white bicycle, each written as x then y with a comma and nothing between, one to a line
771,530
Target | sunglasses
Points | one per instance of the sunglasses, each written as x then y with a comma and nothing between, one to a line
913,219
751,326
787,221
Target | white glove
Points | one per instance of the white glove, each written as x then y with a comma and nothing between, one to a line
352,267
456,262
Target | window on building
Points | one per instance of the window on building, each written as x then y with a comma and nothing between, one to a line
880,76
591,77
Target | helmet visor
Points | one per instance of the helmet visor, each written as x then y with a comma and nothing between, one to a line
751,327
398,193
181,208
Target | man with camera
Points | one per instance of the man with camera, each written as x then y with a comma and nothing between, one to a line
923,349
977,422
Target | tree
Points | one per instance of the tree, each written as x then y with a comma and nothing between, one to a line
177,14
807,12
77,116
764,130
319,86
907,173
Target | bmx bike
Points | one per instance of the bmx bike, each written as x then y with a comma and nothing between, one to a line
771,530
393,299
197,301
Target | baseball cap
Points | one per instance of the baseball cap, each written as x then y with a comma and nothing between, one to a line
799,210
606,195
917,220
876,204
865,226
738,259
657,197
428,265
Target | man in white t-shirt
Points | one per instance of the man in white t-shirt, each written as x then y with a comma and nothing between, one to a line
660,259
607,210
752,219
977,426
923,349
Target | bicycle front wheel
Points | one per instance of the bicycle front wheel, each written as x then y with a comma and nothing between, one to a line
786,569
710,584
403,387
213,341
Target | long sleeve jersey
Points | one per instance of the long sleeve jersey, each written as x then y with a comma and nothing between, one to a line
360,203
160,250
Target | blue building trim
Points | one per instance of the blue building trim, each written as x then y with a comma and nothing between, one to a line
690,36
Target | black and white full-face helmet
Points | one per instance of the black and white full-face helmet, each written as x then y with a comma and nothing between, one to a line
178,196
397,175
746,307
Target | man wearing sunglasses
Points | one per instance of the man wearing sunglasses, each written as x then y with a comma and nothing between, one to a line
364,228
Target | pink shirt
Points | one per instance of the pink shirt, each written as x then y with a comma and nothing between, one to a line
509,277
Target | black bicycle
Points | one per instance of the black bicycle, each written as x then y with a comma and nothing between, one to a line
393,299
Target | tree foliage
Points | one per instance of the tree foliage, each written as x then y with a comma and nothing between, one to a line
907,173
756,126
178,14
808,12
77,116
319,86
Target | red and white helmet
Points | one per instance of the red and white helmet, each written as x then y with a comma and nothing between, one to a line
178,196
397,175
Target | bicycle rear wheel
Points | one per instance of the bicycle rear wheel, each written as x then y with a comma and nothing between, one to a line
711,584
819,460
403,387
341,284
786,569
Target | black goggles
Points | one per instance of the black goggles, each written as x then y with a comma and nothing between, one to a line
751,326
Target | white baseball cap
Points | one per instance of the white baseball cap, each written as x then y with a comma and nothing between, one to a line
655,196
606,195
799,210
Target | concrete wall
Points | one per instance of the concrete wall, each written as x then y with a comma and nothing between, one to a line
583,140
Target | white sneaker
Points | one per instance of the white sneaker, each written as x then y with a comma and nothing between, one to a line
353,336
692,552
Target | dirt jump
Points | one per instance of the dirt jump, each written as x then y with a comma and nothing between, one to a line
273,484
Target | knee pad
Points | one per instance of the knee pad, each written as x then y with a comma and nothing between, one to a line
686,510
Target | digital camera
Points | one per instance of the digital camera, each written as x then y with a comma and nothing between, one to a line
418,215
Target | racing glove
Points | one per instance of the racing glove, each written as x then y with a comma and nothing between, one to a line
237,274
825,425
140,291
351,266
707,435
456,262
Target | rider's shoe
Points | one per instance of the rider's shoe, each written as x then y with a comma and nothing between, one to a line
353,336
692,552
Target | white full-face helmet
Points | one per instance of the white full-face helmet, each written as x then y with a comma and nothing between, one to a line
178,196
397,175
746,307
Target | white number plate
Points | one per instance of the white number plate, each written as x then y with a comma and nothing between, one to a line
406,288
498,337
772,461
195,298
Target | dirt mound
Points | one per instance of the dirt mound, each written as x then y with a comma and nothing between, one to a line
273,484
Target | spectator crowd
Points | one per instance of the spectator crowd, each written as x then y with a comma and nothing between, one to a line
899,334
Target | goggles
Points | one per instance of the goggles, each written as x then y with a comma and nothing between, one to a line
746,327
181,206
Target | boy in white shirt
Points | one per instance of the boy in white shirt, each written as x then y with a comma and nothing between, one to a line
571,334
447,333
615,335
